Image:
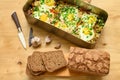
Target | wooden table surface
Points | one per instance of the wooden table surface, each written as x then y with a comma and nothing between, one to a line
12,52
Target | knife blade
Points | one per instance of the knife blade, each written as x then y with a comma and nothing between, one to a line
20,33
30,36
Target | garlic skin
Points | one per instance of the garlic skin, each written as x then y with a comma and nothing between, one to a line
58,46
36,42
48,39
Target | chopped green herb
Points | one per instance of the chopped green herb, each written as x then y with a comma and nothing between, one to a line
36,8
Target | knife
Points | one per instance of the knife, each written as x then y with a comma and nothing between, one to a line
20,33
30,36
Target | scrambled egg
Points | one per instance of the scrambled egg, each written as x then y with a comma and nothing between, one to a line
36,14
89,19
86,33
44,17
50,2
70,17
57,24
37,3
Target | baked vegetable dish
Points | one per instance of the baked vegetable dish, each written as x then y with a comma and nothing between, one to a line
73,19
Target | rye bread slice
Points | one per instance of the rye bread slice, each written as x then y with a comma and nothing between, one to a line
35,62
54,60
30,72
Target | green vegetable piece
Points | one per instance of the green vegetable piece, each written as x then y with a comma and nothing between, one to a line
36,8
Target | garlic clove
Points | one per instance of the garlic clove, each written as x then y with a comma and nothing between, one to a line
48,39
58,46
36,42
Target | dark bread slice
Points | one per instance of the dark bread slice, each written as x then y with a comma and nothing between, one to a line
90,61
54,60
30,72
35,63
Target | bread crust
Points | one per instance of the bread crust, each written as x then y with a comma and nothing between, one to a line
90,61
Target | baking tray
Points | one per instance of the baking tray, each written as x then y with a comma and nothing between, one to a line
60,32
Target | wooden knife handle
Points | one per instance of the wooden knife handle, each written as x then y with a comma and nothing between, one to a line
15,18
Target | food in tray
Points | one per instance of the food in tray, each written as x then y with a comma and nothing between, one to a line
90,61
41,62
73,19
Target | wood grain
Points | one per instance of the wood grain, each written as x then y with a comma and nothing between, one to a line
12,52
